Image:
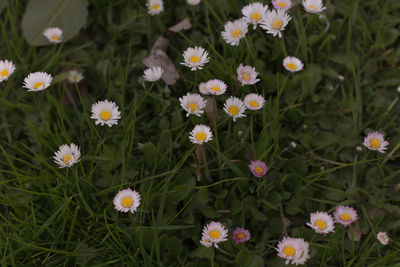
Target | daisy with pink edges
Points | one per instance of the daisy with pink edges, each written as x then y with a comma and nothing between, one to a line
240,235
345,215
258,168
375,141
282,4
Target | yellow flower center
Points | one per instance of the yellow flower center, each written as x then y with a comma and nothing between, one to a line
155,7
201,136
195,59
289,251
253,104
215,88
105,115
256,16
75,78
67,159
291,66
282,4
236,33
4,73
233,110
246,77
345,217
277,24
214,234
55,37
313,7
37,85
320,224
127,202
240,236
192,107
259,169
374,143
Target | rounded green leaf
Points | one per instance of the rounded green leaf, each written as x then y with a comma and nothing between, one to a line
68,15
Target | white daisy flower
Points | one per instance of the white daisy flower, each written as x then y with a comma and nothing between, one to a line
193,2
234,31
292,64
203,88
74,76
153,74
7,68
275,22
345,215
205,241
254,101
66,156
234,107
216,87
54,34
154,7
321,222
247,74
105,112
195,58
383,238
289,249
37,81
375,141
303,252
313,6
193,104
282,4
215,232
200,134
127,200
254,13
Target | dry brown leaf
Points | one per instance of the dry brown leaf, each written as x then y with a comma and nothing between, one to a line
159,58
211,110
181,26
285,222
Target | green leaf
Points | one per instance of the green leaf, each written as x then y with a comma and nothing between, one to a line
68,15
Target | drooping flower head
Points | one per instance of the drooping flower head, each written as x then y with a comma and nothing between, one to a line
127,200
258,168
54,34
321,222
195,58
153,74
292,64
383,238
234,31
200,134
215,233
254,101
313,6
37,81
7,68
275,22
203,88
293,250
193,104
345,215
154,7
375,141
105,112
254,13
247,74
74,76
66,156
234,107
240,235
282,4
